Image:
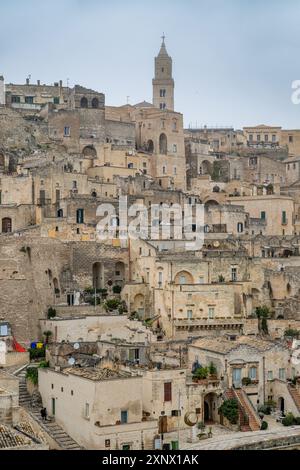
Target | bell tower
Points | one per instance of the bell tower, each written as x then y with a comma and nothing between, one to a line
163,83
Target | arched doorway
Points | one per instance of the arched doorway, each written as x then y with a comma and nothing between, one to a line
6,225
60,213
150,146
119,273
163,144
281,404
210,408
83,102
89,151
98,276
95,103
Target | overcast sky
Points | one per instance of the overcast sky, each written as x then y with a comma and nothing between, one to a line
233,60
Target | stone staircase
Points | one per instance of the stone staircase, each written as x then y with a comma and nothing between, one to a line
64,441
254,422
248,418
295,394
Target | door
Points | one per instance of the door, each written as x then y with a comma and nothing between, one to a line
53,406
163,424
237,377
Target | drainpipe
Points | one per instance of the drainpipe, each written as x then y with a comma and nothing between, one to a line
264,379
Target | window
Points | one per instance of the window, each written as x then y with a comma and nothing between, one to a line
107,442
250,137
176,413
168,391
56,100
263,215
234,274
281,374
160,278
72,393
87,410
162,105
182,279
174,125
273,138
15,99
283,217
258,137
6,225
175,170
266,137
80,216
3,330
190,314
74,184
240,227
67,131
174,148
164,170
270,375
291,139
211,313
252,373
124,416
29,99
162,93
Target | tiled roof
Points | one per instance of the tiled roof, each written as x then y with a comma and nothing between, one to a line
96,374
10,438
224,345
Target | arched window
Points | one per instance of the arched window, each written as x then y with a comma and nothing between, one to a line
163,144
94,194
83,102
6,225
60,213
150,146
95,103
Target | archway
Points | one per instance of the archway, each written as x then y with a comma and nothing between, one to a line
163,144
119,273
139,305
83,102
184,277
281,404
95,103
210,408
89,151
6,225
150,146
98,275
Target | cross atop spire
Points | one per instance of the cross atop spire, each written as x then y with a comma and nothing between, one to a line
163,38
163,50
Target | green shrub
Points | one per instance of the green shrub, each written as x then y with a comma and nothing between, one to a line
264,426
262,312
117,289
246,381
292,333
32,375
265,409
36,353
229,409
51,313
112,304
44,364
201,373
212,369
288,420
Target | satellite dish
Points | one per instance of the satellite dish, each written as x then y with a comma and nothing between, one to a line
76,346
71,361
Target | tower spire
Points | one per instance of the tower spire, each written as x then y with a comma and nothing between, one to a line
163,83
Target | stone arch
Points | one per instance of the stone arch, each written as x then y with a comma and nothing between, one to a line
119,273
95,103
150,146
56,287
89,151
210,408
184,277
211,202
163,144
84,102
139,305
98,275
6,225
2,161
